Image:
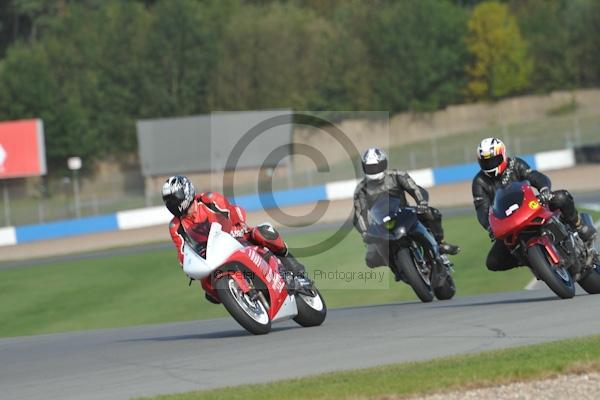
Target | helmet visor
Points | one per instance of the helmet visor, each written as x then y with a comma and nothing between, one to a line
373,169
488,164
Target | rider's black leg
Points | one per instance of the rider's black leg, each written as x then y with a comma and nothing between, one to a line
563,200
500,258
373,258
378,256
434,224
291,264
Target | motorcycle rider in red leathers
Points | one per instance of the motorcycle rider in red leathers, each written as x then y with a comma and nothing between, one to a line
193,215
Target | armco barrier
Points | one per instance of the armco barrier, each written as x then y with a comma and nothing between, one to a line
151,216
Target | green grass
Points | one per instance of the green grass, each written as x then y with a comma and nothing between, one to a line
458,372
151,288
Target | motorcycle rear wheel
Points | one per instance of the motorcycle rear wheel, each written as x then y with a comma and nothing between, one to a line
420,286
251,315
311,309
559,280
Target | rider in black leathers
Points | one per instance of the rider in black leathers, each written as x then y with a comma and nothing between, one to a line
498,170
379,180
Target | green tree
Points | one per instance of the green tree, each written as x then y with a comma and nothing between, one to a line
284,56
416,51
583,21
76,78
544,27
120,65
29,89
501,64
179,59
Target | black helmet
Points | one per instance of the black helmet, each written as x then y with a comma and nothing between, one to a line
178,193
374,163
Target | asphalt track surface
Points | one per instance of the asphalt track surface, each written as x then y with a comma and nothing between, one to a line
152,360
170,358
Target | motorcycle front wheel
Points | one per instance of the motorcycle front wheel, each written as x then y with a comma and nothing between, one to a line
250,314
558,279
311,309
420,283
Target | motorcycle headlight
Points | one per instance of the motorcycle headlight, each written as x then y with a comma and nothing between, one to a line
389,223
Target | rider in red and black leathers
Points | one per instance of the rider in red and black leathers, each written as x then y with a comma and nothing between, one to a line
498,170
194,215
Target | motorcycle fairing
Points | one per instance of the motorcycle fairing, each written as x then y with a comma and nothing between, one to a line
223,250
289,309
220,245
529,212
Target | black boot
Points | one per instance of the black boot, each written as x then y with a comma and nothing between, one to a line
292,265
397,275
585,232
447,248
296,278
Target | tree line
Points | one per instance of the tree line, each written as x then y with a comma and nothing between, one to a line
90,68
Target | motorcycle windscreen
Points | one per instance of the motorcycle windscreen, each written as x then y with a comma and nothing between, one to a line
195,266
508,200
220,246
384,206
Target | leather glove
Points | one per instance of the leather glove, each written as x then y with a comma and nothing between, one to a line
545,195
422,208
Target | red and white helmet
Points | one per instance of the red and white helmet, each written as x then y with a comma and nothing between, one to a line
491,155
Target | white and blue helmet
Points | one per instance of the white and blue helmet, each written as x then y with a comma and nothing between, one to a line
374,163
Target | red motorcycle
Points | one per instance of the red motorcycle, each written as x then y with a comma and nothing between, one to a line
537,236
248,282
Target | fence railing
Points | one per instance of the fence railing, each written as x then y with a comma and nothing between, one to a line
126,190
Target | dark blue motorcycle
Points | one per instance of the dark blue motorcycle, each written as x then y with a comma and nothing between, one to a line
409,249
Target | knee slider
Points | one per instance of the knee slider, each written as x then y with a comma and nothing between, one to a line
492,264
373,259
267,236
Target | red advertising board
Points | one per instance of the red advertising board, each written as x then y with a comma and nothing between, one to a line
22,151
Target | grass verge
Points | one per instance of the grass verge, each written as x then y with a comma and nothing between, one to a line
150,288
452,373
